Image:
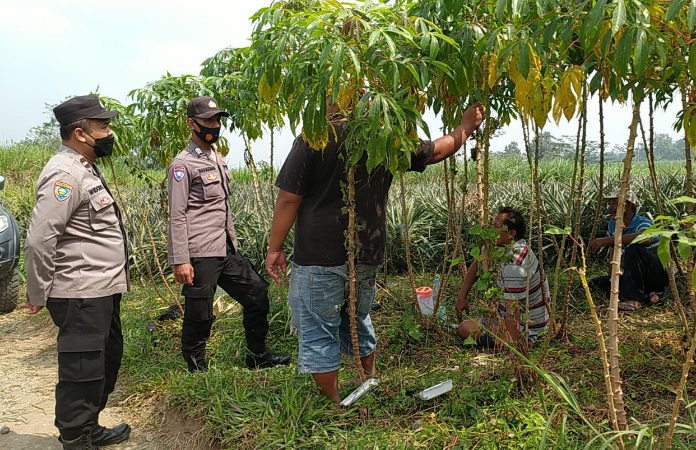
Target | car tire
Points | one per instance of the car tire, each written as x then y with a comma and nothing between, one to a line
9,292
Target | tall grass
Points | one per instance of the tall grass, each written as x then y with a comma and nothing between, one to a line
488,408
144,197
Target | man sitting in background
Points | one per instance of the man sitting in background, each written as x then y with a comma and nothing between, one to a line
644,277
520,278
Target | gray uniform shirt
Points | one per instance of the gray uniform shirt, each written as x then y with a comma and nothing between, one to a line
199,218
76,244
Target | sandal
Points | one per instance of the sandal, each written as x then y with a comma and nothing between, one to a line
629,306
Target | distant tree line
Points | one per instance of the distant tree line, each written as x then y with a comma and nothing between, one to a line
664,149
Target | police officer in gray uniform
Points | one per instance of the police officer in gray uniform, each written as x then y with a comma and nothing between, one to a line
203,247
77,266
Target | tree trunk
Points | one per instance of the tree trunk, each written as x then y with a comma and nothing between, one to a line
351,253
271,177
600,182
614,354
407,242
581,145
600,340
537,212
249,160
689,156
482,206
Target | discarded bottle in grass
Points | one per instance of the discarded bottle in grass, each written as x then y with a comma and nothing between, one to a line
441,313
436,287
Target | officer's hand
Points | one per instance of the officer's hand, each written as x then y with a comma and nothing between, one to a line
276,266
31,309
183,273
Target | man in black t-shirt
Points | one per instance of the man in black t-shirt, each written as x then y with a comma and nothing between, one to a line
310,195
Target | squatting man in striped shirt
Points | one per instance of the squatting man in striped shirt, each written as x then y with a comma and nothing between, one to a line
520,279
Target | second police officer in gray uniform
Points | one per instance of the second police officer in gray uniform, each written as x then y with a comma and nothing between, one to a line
202,246
77,266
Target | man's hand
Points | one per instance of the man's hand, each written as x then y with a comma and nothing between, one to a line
472,118
276,265
598,243
29,308
461,305
183,273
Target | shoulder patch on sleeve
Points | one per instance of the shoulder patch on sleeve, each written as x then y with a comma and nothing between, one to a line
179,172
62,190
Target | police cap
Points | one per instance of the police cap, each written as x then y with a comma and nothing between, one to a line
81,107
204,108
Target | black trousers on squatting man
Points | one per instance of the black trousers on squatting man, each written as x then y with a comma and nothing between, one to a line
90,347
643,274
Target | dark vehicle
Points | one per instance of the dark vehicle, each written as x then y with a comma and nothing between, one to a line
9,259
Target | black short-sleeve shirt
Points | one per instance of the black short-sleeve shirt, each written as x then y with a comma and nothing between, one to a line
321,224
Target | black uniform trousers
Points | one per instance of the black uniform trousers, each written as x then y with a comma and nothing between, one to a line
90,347
235,275
643,273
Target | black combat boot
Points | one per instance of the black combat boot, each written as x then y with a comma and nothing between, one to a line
84,442
102,436
267,359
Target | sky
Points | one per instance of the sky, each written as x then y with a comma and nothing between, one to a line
50,50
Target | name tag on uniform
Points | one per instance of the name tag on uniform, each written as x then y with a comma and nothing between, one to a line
95,189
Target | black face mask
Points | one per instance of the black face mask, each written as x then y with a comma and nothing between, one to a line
207,135
102,146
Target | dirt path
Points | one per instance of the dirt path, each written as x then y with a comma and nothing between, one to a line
28,374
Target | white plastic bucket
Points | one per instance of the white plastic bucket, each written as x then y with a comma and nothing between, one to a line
426,303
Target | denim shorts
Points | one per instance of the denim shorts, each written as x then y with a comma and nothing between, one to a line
318,300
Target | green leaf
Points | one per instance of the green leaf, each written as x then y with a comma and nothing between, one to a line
475,252
523,59
476,230
516,8
590,26
373,38
500,10
469,341
663,250
691,16
456,261
622,55
640,53
434,48
692,61
683,199
684,250
674,8
618,18
556,230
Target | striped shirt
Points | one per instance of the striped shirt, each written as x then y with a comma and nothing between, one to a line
512,280
638,225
